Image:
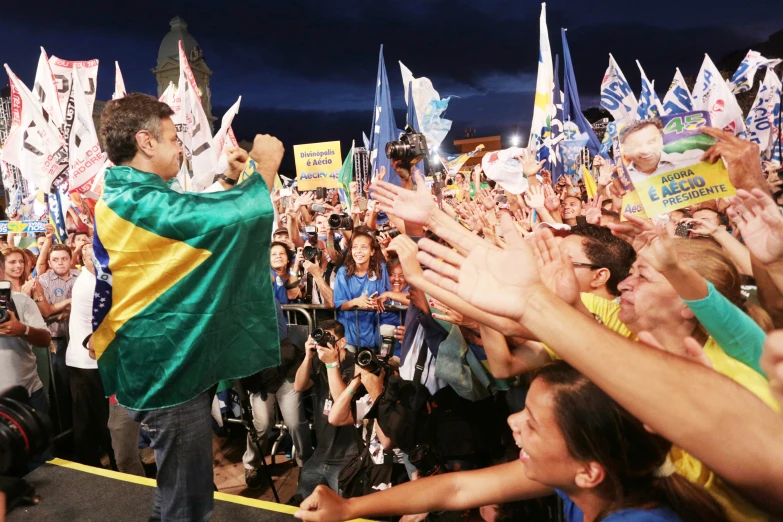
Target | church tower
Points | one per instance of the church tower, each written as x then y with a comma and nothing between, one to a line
167,69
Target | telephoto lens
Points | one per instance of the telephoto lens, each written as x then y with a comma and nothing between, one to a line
311,253
367,360
340,222
322,337
425,460
24,432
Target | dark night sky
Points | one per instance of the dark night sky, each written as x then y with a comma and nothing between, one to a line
306,68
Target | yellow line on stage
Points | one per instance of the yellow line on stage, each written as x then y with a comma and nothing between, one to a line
236,499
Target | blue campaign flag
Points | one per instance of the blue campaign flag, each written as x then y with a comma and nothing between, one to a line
56,216
555,164
572,109
383,128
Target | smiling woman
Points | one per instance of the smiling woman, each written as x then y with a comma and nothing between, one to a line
575,441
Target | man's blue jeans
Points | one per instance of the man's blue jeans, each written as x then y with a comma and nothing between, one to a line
182,440
315,472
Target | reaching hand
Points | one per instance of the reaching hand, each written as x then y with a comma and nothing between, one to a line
452,316
742,158
552,201
27,288
380,173
701,227
605,171
324,505
650,241
354,188
535,196
555,267
592,211
49,231
304,200
531,167
413,206
760,222
498,281
406,251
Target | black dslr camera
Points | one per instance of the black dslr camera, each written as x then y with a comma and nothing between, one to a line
389,229
312,254
411,147
368,361
6,303
322,337
340,222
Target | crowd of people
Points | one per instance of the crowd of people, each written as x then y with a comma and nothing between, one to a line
511,352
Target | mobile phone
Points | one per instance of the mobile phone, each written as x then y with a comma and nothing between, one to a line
683,230
318,208
374,295
362,204
286,192
320,193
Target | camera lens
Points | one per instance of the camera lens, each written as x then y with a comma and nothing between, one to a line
310,253
365,358
24,432
393,233
397,150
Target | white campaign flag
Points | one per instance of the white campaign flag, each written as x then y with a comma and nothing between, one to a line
45,91
760,118
119,83
429,107
543,107
711,93
743,78
649,104
678,99
616,94
198,142
85,156
223,141
34,146
88,76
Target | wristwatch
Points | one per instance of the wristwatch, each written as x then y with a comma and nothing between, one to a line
225,178
26,330
38,299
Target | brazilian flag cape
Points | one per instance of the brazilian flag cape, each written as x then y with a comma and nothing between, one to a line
183,296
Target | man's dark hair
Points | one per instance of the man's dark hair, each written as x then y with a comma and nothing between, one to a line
121,119
336,326
723,219
40,234
638,125
60,248
608,251
685,212
80,234
610,213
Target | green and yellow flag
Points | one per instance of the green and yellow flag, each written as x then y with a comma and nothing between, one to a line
183,296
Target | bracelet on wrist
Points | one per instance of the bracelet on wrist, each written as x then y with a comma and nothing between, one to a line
329,366
350,391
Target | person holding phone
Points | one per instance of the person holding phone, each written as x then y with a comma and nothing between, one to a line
359,282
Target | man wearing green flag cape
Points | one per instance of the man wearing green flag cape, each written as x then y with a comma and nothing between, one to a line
183,296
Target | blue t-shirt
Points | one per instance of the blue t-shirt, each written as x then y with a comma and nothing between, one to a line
281,294
282,322
347,288
659,514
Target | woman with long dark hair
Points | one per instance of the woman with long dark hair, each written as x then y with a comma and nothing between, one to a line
574,441
283,265
360,281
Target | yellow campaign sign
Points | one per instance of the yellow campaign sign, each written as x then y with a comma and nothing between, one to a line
318,165
632,205
684,187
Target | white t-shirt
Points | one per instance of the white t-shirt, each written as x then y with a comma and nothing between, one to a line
80,324
17,360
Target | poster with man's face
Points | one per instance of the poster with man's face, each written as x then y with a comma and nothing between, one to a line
662,160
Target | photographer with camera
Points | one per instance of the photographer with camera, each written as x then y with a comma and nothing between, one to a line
359,282
327,367
21,328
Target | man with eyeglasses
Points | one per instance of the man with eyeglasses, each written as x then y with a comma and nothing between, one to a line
601,261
